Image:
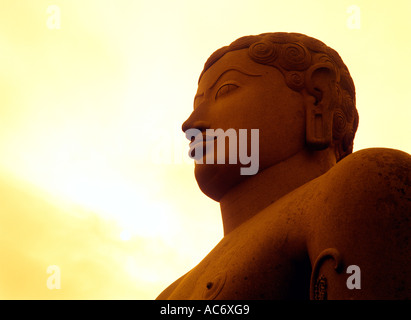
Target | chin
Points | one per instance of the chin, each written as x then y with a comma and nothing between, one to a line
215,180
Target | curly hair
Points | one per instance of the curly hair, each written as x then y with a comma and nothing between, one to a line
293,54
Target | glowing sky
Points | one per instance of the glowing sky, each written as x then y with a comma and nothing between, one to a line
94,176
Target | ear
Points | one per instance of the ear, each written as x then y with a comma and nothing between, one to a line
320,82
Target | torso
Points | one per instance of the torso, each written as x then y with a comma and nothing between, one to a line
268,248
270,255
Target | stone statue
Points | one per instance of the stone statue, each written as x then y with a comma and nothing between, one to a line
316,221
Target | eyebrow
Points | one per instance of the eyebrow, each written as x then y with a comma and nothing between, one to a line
238,69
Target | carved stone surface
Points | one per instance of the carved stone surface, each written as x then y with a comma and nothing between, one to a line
314,208
319,282
320,289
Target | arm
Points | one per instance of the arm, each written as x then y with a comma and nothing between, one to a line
361,247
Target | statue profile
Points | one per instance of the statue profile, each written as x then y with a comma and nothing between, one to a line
314,220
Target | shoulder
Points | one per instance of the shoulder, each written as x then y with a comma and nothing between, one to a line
374,183
370,177
370,167
367,183
364,217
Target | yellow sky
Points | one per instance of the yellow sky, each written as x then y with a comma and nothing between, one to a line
93,171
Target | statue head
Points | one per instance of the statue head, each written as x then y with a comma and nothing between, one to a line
293,88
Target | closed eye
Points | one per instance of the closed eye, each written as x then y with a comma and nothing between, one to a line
225,88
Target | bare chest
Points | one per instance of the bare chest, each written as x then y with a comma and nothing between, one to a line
253,262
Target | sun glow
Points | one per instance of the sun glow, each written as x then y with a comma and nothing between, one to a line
94,172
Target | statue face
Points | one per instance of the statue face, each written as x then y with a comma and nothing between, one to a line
238,93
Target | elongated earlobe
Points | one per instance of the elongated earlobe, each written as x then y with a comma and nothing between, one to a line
320,81
318,127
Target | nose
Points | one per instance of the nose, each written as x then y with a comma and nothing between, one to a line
200,125
186,124
195,121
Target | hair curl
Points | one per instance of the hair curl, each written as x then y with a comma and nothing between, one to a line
292,54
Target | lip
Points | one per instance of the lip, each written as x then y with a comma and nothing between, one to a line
204,139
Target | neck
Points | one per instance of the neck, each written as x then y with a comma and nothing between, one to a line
259,191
